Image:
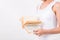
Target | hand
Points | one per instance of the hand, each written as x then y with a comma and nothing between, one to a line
38,32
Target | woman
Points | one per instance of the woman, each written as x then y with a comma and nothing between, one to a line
49,12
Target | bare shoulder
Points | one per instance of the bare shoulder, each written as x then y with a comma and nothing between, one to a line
57,5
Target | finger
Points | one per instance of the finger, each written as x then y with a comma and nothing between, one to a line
35,30
37,33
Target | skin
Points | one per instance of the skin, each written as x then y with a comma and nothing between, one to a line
56,10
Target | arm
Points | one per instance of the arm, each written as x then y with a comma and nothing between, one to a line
57,29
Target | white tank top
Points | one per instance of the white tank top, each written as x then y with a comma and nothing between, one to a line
47,16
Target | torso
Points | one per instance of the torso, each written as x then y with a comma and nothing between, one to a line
47,16
44,5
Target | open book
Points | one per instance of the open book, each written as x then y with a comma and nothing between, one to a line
30,23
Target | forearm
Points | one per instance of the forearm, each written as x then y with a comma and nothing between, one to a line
52,31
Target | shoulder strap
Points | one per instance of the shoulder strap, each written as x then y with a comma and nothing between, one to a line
52,4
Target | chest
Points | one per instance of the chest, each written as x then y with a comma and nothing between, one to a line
42,6
45,13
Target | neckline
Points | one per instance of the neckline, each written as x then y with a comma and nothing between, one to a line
46,6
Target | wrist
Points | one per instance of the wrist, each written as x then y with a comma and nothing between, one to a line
44,31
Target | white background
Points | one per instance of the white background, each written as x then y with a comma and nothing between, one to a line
10,13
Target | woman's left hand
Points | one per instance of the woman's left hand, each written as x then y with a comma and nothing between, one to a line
38,32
